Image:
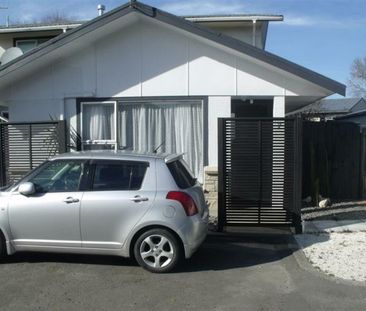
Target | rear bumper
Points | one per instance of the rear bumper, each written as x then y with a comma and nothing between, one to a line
194,233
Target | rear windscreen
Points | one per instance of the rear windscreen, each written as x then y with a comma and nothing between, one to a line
181,175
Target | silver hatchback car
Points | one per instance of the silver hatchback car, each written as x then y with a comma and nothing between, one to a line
146,206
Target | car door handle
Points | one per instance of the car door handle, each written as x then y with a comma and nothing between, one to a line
139,199
71,200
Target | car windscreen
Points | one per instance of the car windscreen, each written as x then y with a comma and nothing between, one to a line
181,174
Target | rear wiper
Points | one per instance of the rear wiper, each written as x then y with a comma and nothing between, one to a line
158,147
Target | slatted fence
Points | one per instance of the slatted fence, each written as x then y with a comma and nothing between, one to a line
24,146
333,161
259,172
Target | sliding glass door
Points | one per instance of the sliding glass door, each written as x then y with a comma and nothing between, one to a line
164,126
171,126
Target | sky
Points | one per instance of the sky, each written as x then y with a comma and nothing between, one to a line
322,35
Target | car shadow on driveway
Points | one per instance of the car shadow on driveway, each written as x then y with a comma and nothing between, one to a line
34,257
239,251
218,252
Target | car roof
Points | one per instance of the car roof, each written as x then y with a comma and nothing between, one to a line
118,154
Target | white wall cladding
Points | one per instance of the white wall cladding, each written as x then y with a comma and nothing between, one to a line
218,107
211,71
35,110
164,62
241,31
148,58
118,64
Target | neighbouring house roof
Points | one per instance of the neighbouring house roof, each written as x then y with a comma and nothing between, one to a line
352,115
183,24
38,27
192,18
330,106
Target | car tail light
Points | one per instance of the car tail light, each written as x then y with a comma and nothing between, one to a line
185,199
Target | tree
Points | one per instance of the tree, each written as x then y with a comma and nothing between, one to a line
357,81
55,18
51,18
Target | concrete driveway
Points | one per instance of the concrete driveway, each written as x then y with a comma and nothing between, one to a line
229,272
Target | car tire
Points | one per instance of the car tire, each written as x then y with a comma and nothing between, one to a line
2,246
158,251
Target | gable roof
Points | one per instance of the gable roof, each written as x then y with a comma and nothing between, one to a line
183,24
330,106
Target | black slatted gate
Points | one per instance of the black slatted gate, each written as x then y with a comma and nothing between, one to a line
26,145
259,172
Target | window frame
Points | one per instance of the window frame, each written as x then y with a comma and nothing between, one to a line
109,142
34,39
92,168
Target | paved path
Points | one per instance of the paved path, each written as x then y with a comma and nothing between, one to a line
244,272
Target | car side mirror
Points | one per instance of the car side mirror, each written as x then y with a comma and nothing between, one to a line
26,188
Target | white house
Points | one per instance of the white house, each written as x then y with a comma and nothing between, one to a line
139,78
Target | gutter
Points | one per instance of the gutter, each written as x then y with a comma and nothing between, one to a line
39,28
236,18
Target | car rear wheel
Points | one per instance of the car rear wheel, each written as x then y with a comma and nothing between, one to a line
157,250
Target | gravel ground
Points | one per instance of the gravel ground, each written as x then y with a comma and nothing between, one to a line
341,255
339,211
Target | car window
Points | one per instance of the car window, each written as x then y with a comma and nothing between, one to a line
59,176
118,175
181,174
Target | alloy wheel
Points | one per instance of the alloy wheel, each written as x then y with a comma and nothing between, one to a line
157,251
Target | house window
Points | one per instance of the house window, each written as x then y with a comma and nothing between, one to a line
27,44
98,126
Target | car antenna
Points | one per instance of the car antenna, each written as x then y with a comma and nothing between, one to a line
158,147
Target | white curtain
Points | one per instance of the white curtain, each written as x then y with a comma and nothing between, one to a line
176,126
98,122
